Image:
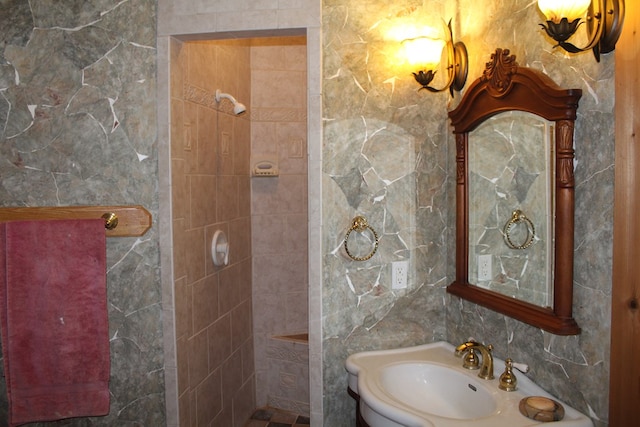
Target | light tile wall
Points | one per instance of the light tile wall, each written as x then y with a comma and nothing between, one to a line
210,191
206,16
279,220
212,19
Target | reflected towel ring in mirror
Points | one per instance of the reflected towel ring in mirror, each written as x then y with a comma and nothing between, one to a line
360,224
517,217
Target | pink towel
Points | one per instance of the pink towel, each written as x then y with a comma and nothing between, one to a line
53,310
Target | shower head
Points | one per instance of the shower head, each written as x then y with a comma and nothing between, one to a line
238,107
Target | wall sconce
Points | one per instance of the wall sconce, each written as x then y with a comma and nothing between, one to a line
426,51
604,20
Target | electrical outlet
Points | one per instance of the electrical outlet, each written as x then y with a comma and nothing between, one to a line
399,270
484,268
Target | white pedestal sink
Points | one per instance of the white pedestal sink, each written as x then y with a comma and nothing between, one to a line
426,386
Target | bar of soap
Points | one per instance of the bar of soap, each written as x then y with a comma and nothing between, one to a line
541,403
541,408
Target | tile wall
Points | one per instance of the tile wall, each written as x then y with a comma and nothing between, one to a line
187,19
78,106
360,91
279,221
388,153
210,191
574,368
385,156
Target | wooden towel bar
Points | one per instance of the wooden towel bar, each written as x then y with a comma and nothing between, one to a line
129,221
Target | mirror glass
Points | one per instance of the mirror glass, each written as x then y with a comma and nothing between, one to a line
511,168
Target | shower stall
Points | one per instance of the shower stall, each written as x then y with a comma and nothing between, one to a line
241,324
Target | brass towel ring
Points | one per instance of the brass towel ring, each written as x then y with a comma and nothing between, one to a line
360,224
517,217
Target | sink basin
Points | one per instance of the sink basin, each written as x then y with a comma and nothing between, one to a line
438,390
426,386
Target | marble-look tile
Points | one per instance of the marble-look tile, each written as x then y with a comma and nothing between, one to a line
566,366
370,157
79,130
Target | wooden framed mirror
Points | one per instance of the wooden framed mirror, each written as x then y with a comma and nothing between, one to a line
523,239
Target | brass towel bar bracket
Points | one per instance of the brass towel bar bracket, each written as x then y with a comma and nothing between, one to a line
120,221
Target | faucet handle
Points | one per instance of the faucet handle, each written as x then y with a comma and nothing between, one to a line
508,381
470,360
522,367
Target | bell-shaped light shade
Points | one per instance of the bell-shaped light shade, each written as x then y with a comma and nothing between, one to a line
424,52
555,10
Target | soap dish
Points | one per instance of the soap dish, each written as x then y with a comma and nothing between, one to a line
541,408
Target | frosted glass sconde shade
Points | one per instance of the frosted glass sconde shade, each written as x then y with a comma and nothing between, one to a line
424,52
555,10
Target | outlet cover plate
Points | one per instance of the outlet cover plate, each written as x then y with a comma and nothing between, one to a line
399,272
484,268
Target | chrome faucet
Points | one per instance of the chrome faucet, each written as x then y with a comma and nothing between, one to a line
486,370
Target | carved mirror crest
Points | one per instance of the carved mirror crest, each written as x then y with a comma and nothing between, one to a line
515,195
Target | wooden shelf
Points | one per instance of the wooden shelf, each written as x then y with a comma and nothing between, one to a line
133,220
